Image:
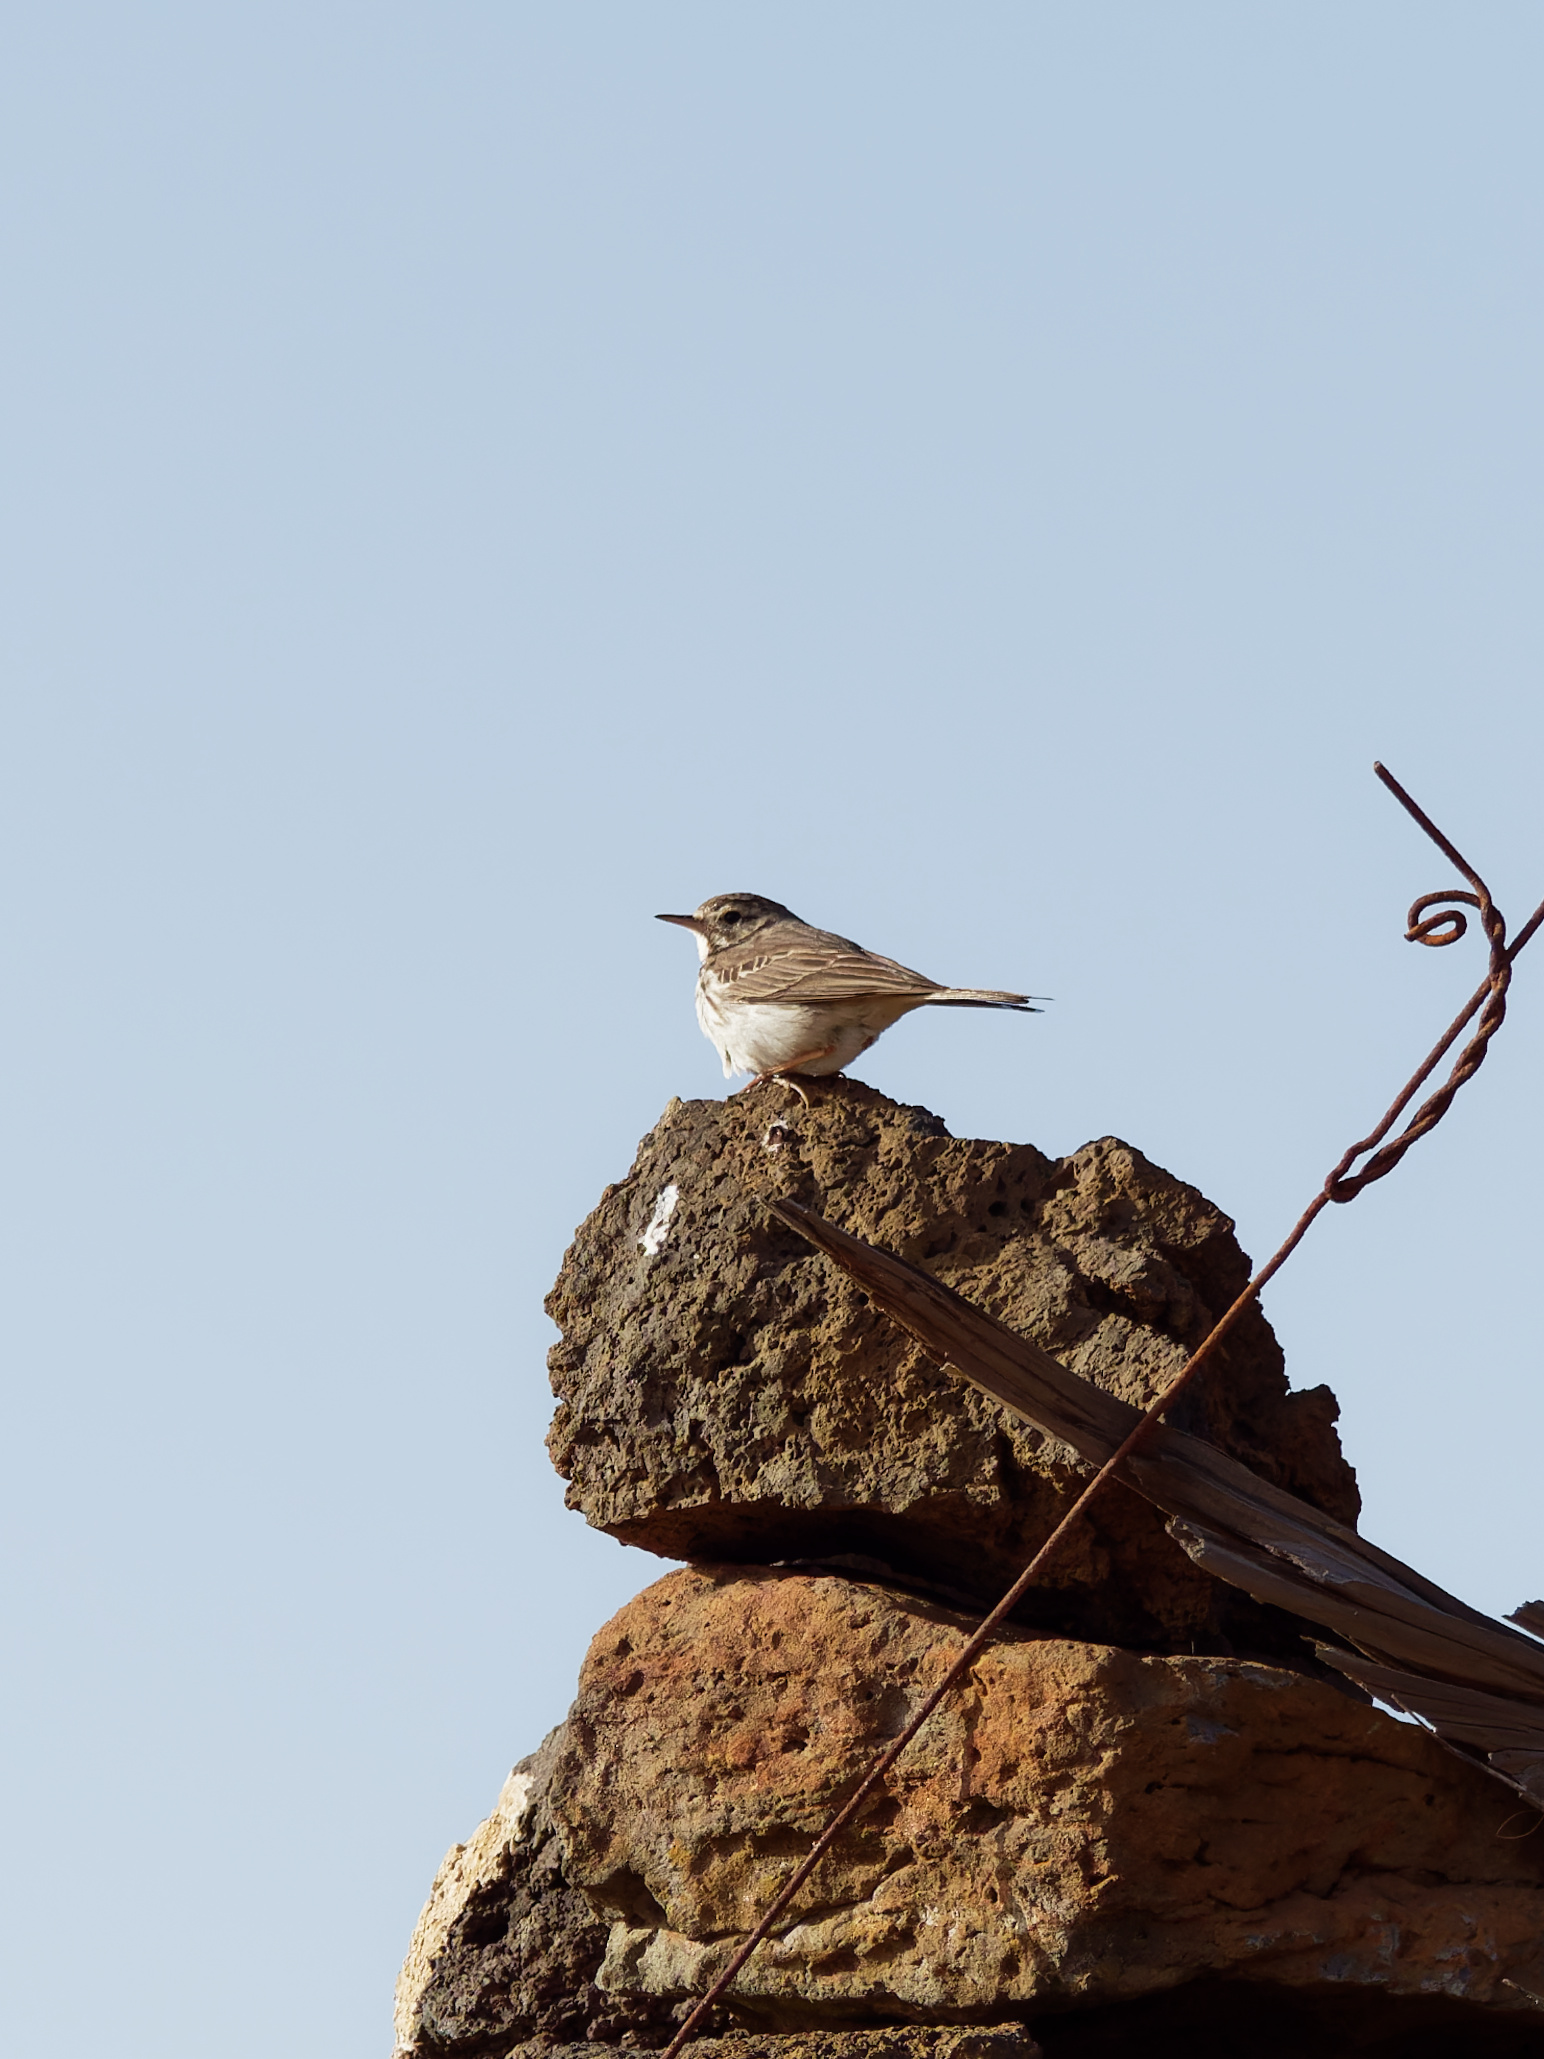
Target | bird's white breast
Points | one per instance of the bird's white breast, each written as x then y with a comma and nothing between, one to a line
767,1036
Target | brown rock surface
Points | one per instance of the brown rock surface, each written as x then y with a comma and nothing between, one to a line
1081,1827
725,1393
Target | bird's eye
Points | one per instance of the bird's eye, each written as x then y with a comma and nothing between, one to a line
729,915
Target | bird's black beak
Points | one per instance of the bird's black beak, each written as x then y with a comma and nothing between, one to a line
686,921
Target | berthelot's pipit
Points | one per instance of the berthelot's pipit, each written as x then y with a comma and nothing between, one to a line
777,998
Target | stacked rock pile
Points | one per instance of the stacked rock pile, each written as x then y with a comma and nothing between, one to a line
1148,1822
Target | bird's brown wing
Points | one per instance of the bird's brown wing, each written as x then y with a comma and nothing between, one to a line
812,968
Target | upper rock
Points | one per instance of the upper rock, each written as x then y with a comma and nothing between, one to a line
727,1393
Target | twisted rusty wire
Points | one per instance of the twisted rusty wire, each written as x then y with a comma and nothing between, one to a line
1340,1185
1437,930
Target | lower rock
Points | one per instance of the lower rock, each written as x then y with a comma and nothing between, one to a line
1079,1826
1188,1856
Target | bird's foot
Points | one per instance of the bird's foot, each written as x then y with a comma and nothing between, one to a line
776,1079
785,1074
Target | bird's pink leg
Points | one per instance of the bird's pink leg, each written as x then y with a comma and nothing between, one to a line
783,1072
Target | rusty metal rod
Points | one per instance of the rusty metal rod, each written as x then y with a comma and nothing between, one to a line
1337,1187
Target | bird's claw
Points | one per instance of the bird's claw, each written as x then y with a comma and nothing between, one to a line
781,1079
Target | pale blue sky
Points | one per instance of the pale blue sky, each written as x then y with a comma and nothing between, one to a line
992,476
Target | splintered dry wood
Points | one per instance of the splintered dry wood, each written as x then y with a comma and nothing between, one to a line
1477,1682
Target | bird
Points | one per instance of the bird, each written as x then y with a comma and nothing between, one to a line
782,1000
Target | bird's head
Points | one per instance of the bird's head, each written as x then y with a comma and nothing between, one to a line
730,919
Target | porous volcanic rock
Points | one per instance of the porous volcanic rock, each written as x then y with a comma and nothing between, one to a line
726,1393
1078,1828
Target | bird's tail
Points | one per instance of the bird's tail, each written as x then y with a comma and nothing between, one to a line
982,997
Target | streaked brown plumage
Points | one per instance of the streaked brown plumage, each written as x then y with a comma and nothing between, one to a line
776,997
